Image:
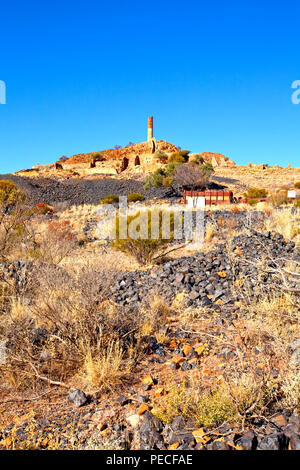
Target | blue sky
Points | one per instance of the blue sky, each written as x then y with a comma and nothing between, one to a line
85,76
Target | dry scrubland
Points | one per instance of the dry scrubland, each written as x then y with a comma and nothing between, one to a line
240,178
153,373
89,172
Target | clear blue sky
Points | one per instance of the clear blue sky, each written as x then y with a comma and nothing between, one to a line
84,76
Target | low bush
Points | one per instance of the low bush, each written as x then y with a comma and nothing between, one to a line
252,202
208,167
212,406
254,193
162,176
10,194
161,156
53,244
197,158
155,179
110,199
43,209
134,197
78,331
297,185
279,198
98,157
13,219
140,225
297,203
176,158
184,154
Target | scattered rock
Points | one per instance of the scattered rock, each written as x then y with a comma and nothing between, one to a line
206,279
133,420
142,409
248,441
122,400
273,442
78,398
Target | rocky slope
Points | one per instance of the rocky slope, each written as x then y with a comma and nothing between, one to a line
222,279
80,191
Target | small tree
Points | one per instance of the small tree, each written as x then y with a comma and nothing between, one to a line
162,176
13,217
155,179
191,175
143,249
10,195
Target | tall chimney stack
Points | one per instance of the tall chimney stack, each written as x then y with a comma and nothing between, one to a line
150,128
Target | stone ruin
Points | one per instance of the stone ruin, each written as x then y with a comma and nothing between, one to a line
125,163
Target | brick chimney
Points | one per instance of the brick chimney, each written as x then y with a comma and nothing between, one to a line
150,128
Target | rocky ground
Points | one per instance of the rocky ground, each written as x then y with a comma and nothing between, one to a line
223,282
95,426
79,191
72,188
208,331
129,420
219,279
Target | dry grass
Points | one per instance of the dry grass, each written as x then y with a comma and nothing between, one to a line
285,221
89,342
104,371
240,178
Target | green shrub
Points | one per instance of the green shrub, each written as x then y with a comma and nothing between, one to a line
167,181
171,167
162,176
297,185
197,158
110,199
161,156
208,408
155,179
279,198
43,209
297,203
208,167
254,193
98,157
176,158
134,197
184,154
252,202
10,194
143,249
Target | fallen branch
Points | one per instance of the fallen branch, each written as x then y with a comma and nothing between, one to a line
170,251
20,400
45,379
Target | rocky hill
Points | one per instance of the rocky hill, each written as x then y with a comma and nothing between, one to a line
138,158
